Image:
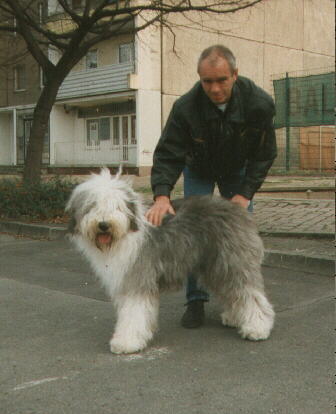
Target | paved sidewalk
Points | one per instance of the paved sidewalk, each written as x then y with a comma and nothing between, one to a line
299,217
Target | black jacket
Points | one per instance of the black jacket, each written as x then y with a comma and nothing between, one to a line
214,144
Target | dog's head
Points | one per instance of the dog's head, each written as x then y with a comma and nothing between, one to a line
104,209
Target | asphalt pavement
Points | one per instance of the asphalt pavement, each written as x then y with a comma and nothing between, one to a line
56,323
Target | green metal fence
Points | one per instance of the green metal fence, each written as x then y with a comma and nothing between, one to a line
305,121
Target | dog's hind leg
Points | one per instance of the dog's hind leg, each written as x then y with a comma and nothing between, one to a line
248,309
136,323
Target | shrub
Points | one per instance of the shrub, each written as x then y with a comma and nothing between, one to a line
44,201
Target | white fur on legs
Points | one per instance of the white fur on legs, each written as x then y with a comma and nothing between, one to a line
136,324
251,313
228,318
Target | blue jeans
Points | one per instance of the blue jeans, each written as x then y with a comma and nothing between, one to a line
194,185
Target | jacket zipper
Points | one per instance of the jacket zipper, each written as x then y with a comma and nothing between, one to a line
221,127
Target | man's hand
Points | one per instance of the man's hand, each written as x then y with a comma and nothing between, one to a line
161,207
241,200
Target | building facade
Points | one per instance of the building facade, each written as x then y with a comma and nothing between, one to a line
112,106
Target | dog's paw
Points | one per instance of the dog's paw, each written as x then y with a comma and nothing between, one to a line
254,335
121,346
228,320
256,332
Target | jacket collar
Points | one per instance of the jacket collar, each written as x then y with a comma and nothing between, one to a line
234,111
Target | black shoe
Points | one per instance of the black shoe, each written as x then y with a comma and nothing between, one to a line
194,315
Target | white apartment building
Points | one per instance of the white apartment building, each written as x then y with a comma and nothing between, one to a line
113,105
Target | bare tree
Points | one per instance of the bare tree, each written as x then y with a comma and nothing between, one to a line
81,28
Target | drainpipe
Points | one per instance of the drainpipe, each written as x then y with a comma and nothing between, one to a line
14,138
287,117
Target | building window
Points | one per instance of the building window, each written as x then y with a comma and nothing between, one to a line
121,130
92,132
116,131
41,11
125,137
126,2
97,130
91,59
19,78
126,53
53,7
133,133
104,129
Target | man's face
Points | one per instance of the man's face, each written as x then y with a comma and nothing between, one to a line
217,79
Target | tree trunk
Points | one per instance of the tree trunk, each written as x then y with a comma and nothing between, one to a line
33,163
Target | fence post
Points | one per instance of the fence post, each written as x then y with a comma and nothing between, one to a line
15,158
287,115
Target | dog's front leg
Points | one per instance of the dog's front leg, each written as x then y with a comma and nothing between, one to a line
136,323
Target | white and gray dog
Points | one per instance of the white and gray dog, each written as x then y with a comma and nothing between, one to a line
209,237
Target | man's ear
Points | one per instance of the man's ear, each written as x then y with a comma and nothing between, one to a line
235,74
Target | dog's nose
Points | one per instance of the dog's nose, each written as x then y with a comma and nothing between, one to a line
103,226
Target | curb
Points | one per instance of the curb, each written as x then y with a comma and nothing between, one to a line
327,236
32,230
310,264
296,189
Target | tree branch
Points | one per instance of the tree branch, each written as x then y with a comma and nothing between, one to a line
24,29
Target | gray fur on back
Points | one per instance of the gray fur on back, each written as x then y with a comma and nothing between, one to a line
209,237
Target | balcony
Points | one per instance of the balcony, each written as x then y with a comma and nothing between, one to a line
78,154
91,82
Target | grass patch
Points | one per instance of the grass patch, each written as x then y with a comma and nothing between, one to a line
44,201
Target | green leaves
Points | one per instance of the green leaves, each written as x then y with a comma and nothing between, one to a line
44,201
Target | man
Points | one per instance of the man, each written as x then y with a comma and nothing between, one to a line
220,132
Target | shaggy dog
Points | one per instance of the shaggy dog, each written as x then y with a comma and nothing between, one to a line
211,238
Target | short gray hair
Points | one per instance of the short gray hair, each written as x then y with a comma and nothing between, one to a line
215,52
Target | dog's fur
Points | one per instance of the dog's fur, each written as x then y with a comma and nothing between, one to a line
213,239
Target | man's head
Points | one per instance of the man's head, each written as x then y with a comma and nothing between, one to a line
218,72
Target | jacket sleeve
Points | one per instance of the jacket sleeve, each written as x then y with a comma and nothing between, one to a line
261,161
169,155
